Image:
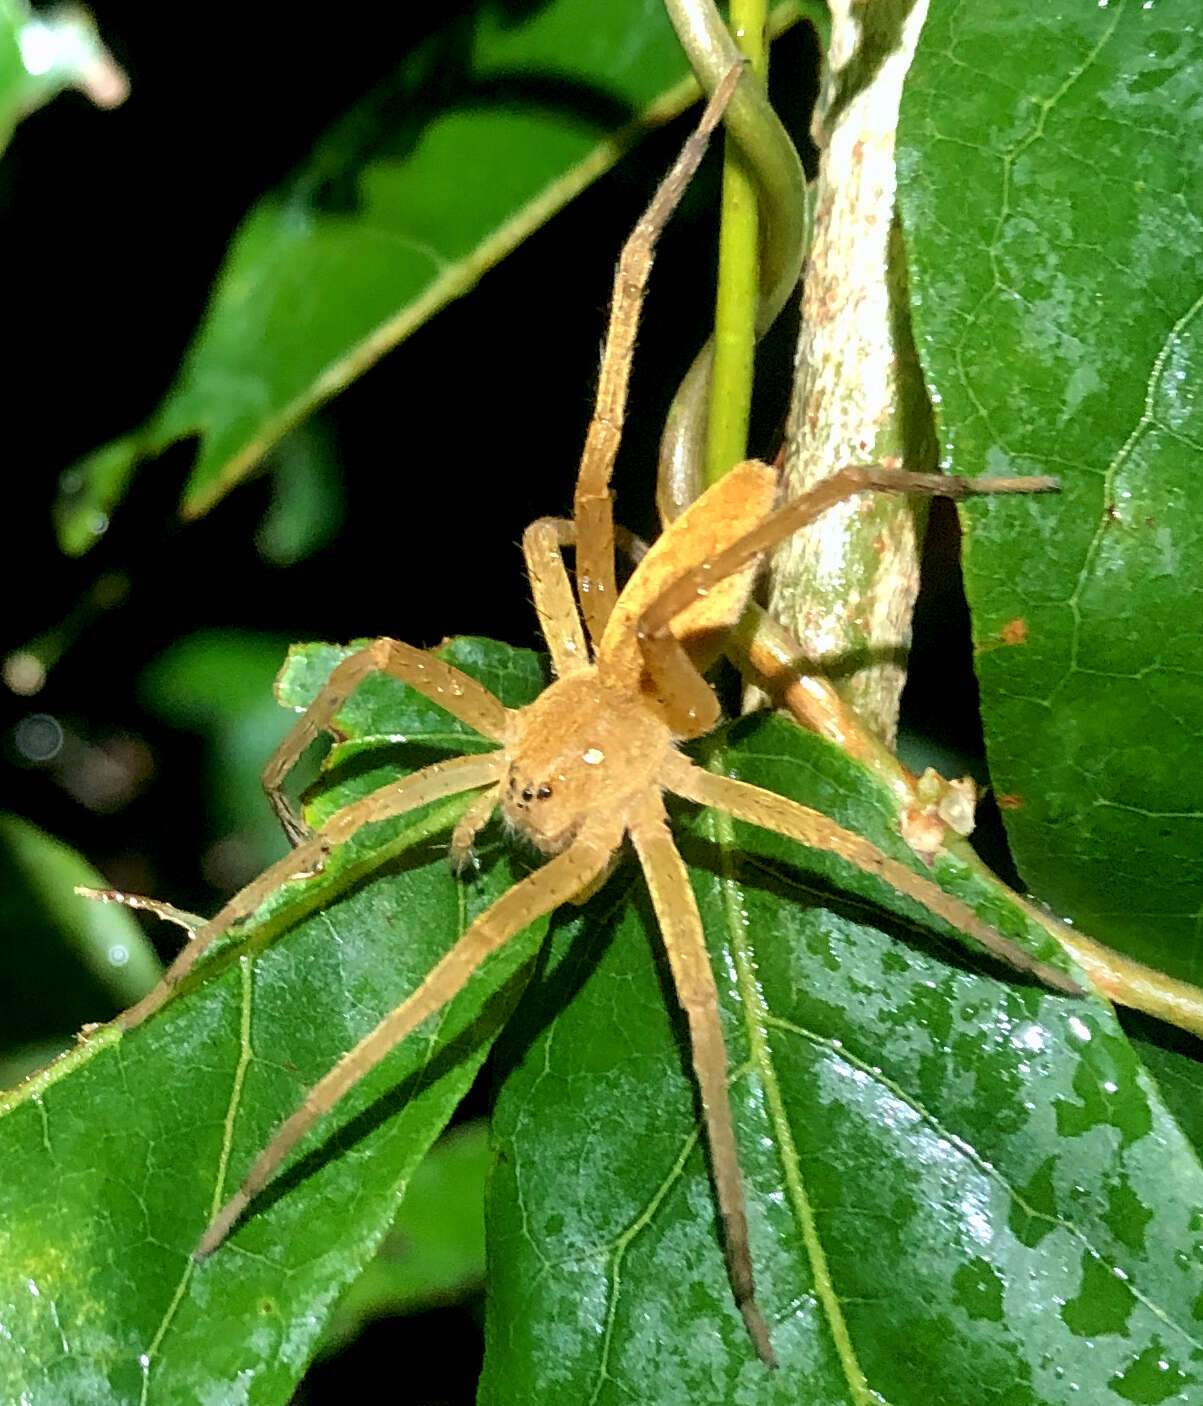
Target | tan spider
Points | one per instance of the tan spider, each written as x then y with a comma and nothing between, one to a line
585,765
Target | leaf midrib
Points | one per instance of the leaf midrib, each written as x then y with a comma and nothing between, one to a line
755,1017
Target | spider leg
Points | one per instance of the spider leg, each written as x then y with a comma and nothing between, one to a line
442,683
685,945
809,827
554,604
432,783
668,668
548,887
543,545
592,507
468,826
844,483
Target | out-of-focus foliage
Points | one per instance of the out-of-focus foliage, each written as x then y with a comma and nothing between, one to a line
43,52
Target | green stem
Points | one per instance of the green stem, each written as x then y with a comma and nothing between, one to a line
784,226
738,273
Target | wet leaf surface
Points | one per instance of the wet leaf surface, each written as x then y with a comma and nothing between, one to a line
113,1160
955,1177
1049,190
957,1180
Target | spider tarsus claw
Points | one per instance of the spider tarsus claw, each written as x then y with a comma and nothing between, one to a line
464,863
759,1333
318,863
297,831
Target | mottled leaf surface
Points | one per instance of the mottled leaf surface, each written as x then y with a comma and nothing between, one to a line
1051,189
112,1162
962,1188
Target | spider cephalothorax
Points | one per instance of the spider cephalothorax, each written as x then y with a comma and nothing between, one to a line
585,766
581,748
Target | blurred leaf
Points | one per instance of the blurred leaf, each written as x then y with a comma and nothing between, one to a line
306,509
111,1162
13,77
43,52
1173,1058
66,959
962,1188
1049,178
218,683
206,678
435,1252
485,131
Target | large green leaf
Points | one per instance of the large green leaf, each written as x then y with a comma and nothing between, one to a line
112,1161
1050,182
953,1175
485,131
962,1188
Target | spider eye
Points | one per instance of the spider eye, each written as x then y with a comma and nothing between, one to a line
527,793
542,793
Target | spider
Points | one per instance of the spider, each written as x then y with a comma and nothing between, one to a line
584,768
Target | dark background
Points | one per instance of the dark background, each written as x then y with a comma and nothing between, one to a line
115,224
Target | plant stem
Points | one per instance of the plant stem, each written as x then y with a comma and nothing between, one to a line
784,221
738,273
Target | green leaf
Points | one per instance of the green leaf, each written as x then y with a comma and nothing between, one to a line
953,1176
45,51
484,132
1172,1058
958,1182
113,1160
13,78
218,684
1049,175
435,1251
307,505
61,950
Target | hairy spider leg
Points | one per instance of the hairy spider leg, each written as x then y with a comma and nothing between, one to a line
554,605
593,510
770,811
693,980
433,783
543,545
440,682
545,889
702,569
